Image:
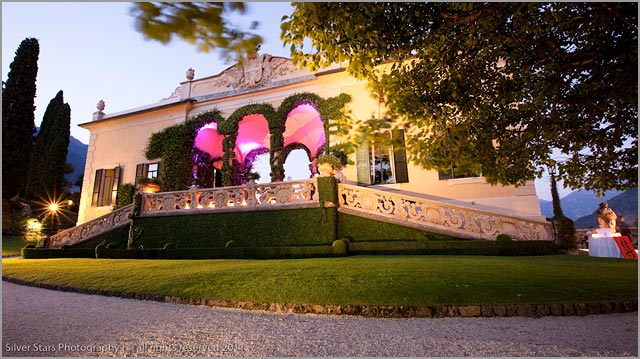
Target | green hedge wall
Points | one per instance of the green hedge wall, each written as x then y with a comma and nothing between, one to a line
44,253
188,253
118,236
274,228
362,229
459,247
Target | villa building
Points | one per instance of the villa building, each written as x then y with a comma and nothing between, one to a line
116,153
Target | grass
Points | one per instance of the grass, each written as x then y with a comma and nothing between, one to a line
367,280
11,245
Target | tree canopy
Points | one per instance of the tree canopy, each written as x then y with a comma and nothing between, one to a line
205,24
18,124
505,88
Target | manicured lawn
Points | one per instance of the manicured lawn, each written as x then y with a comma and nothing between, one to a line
372,280
12,244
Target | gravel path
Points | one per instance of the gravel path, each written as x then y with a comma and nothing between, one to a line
41,322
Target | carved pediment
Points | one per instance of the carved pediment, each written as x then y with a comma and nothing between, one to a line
257,70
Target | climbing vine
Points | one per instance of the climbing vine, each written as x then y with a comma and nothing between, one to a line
232,172
175,146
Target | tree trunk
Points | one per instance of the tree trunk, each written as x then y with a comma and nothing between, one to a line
565,241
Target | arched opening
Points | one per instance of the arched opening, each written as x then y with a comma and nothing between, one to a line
297,165
304,126
262,166
252,140
207,156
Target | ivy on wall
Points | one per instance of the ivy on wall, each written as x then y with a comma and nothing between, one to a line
175,144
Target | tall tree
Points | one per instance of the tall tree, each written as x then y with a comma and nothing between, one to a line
48,163
507,88
18,123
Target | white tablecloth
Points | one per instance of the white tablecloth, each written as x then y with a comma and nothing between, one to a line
604,247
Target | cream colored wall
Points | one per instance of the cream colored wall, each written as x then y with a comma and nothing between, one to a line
121,142
522,200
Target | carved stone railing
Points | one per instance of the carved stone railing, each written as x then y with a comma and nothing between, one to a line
88,230
439,217
237,198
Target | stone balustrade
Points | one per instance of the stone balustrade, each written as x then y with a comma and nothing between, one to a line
252,196
91,229
439,217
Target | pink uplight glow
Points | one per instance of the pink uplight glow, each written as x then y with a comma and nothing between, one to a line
209,140
305,126
253,133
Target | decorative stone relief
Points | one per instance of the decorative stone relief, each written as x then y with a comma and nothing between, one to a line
258,70
249,197
177,93
93,228
469,222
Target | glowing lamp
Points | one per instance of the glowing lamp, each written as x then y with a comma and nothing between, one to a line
53,207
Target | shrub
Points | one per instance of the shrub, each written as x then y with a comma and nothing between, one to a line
331,160
100,249
340,246
503,238
124,196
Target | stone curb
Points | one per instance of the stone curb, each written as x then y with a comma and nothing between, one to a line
439,311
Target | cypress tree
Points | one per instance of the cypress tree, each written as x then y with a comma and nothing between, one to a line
18,123
48,161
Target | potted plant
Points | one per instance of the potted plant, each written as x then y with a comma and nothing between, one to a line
252,176
328,164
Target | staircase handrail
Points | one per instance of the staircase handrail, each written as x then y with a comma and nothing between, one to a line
439,217
91,229
247,197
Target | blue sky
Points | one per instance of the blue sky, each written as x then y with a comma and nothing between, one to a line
92,51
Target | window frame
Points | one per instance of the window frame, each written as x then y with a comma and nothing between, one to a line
105,186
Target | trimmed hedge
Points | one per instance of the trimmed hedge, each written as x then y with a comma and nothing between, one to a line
44,253
338,248
364,229
118,237
460,247
272,228
189,253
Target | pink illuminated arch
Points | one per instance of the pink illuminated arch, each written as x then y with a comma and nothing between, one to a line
210,141
304,126
253,134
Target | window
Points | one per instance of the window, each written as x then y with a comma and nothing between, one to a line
380,163
148,170
105,187
456,173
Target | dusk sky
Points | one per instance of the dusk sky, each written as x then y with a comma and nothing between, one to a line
92,51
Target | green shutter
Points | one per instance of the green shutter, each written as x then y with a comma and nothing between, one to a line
400,157
97,185
362,165
115,185
140,172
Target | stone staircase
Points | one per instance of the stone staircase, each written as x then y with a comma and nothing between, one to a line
456,220
91,229
439,217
